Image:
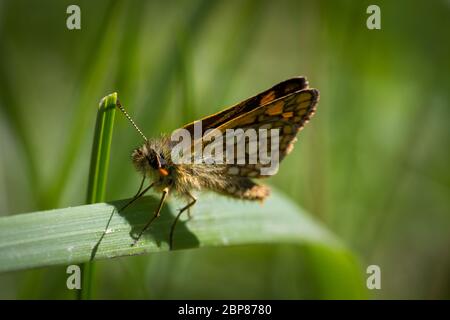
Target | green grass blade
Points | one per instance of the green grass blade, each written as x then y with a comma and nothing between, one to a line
98,172
101,149
68,236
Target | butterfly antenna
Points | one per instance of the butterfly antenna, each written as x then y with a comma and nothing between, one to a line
131,120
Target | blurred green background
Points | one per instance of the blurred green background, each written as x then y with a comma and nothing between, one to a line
372,166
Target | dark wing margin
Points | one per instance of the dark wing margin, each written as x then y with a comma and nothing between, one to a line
279,90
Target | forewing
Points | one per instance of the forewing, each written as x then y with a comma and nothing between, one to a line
282,89
288,114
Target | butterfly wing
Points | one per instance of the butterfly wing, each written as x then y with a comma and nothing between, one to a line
280,90
286,106
289,114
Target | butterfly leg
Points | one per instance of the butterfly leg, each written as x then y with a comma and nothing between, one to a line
187,207
138,194
165,192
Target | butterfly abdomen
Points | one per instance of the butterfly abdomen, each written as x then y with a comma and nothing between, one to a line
246,189
215,178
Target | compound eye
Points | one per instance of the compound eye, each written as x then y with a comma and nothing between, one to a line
152,162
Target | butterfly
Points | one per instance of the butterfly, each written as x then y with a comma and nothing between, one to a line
284,109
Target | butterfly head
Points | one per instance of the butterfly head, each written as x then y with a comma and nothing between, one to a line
148,160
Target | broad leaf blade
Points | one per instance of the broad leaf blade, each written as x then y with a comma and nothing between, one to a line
68,236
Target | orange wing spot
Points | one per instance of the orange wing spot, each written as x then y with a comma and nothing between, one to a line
303,105
306,96
245,120
267,98
288,114
301,111
277,108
